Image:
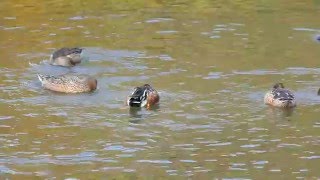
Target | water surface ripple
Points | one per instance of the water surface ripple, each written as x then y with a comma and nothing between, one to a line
211,63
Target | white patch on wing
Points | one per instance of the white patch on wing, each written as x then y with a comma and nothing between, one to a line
143,103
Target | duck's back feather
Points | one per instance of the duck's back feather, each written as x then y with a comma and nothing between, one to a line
65,52
68,83
283,94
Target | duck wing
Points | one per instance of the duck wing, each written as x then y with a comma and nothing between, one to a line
283,94
65,52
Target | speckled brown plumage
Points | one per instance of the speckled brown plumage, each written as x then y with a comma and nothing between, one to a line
280,97
68,83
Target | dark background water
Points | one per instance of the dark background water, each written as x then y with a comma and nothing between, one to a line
211,61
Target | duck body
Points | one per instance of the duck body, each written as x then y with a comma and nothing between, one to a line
280,97
143,96
68,83
66,57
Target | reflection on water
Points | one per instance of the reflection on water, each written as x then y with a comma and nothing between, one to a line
280,114
138,114
212,64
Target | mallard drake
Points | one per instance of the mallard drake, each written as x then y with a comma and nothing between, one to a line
280,97
68,83
143,96
66,57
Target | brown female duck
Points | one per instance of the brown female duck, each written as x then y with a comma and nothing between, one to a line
66,57
68,83
278,96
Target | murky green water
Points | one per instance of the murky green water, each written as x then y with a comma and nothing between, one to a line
211,61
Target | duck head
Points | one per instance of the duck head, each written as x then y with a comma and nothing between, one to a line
278,85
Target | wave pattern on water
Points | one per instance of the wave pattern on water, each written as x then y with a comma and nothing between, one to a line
211,66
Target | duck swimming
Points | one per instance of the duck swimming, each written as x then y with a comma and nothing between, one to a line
143,96
66,57
280,97
68,83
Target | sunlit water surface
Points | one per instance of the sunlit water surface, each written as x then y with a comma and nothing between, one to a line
211,61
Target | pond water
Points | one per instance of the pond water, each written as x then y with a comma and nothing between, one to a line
211,61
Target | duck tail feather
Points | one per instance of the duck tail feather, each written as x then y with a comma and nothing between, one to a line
41,77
